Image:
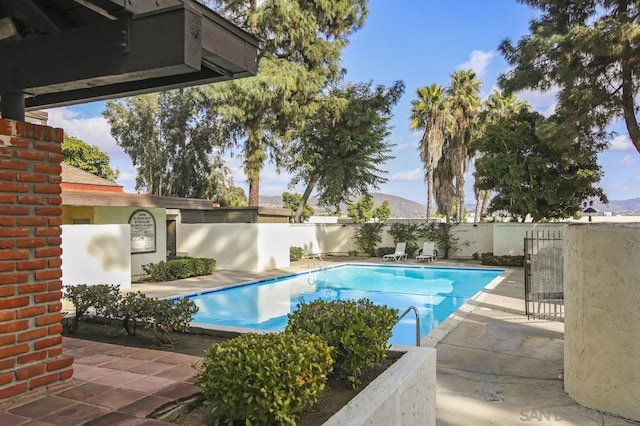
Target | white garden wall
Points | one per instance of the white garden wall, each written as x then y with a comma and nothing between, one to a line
240,246
508,238
96,254
122,215
322,237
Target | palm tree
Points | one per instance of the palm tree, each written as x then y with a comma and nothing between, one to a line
465,106
430,113
443,189
497,106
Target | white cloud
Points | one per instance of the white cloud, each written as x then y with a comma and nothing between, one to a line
478,62
621,143
543,102
95,131
628,160
414,174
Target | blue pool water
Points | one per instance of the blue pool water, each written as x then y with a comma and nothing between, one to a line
436,293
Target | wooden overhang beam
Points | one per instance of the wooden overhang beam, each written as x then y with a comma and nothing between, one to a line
182,45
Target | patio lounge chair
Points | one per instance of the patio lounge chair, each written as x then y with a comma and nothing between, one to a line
399,254
428,252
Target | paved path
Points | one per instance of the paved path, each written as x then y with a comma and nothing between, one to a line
496,367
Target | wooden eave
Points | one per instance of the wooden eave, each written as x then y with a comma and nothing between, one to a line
103,199
118,48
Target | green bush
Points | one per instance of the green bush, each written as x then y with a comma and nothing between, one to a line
367,236
491,260
169,316
162,316
409,233
382,251
133,308
358,331
101,297
264,378
295,253
179,268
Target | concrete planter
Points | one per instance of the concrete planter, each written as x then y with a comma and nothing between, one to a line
405,394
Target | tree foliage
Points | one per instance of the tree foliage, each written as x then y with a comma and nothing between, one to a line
536,167
301,43
293,201
589,50
170,140
497,105
341,148
447,116
370,222
429,113
89,158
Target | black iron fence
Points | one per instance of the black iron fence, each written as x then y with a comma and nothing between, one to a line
543,275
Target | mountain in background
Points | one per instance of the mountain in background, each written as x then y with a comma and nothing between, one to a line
400,207
407,209
628,207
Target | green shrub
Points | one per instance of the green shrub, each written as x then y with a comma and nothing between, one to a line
441,234
179,268
367,236
382,251
475,256
99,297
295,253
409,233
162,316
491,260
264,378
358,331
133,308
169,316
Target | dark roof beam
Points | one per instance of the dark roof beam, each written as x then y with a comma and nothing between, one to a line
100,11
111,52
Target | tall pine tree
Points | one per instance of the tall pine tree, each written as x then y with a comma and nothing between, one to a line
299,55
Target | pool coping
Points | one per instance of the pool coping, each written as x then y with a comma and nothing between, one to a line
435,336
430,340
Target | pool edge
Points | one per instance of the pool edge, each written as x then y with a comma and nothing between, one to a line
436,335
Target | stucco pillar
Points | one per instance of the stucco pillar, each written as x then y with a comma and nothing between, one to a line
30,276
602,317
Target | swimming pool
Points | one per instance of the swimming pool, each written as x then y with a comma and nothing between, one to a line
435,291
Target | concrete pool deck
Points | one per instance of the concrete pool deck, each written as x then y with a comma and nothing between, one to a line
494,367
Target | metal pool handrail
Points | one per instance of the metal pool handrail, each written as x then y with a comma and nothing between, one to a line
415,311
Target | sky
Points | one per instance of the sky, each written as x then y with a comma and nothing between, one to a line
419,42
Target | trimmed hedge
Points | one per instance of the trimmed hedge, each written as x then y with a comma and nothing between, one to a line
264,379
491,260
163,316
179,268
382,251
295,253
357,331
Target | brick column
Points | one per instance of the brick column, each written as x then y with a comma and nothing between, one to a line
30,274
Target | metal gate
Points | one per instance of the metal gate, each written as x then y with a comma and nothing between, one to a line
543,275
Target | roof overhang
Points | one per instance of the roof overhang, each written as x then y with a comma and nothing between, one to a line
104,199
73,51
109,199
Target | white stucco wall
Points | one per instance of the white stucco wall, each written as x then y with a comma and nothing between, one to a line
508,238
239,246
322,237
122,215
602,317
473,238
96,254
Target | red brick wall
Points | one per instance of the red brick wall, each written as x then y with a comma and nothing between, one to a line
30,274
